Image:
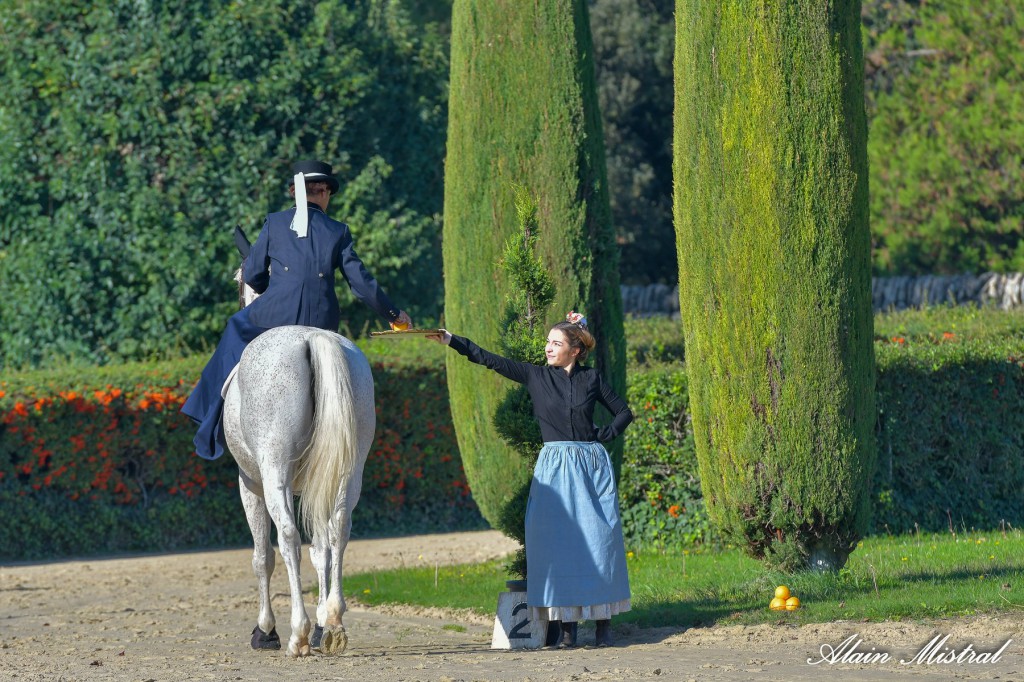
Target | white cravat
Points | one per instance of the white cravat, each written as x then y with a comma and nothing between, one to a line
300,223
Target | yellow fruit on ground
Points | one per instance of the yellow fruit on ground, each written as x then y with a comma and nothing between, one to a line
777,604
782,592
792,604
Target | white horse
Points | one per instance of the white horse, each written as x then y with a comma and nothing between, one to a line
299,419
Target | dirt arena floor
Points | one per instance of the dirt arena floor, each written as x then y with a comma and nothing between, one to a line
188,617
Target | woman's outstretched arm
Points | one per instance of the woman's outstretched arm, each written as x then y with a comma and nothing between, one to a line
510,369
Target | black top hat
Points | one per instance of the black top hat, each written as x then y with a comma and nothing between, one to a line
317,171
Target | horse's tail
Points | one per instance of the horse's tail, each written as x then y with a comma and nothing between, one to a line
331,456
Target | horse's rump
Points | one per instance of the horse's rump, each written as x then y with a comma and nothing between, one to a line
302,410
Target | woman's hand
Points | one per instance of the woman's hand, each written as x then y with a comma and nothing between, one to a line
444,337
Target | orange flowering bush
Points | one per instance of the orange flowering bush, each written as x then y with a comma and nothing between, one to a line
114,445
414,478
659,490
112,467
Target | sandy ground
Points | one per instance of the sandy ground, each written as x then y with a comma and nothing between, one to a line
188,617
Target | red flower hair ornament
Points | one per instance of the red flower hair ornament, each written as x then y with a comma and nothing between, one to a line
572,317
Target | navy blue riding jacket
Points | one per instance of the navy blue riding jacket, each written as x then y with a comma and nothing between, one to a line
295,277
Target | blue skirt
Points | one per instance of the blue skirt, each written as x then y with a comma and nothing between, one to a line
575,554
205,404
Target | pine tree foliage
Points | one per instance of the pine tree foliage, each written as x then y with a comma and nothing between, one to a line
527,301
532,288
771,198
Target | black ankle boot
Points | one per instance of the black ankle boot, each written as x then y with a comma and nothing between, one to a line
554,633
604,633
568,636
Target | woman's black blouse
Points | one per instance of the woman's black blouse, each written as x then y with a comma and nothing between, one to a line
563,402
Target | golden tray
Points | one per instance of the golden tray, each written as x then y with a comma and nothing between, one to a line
394,333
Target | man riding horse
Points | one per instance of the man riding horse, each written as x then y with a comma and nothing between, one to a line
292,266
299,416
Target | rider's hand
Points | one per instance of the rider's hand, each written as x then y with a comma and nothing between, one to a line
444,337
403,322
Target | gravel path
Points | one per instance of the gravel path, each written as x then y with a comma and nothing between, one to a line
188,617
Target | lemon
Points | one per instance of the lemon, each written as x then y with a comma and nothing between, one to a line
782,592
792,604
777,604
399,326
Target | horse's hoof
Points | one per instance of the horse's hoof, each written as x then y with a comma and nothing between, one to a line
299,648
318,633
263,640
334,640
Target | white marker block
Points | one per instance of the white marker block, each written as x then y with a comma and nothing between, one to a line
513,628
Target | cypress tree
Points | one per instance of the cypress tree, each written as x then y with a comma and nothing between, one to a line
522,109
771,198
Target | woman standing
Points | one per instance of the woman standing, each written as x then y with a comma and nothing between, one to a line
575,554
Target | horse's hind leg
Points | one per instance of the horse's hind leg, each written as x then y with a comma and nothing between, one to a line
279,498
335,640
320,556
265,635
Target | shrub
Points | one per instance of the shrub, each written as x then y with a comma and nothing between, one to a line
659,491
950,433
120,122
950,396
950,428
522,339
112,469
414,481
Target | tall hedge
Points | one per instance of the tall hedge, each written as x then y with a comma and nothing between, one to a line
135,135
522,109
771,219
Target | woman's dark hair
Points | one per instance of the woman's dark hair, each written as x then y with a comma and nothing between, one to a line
578,338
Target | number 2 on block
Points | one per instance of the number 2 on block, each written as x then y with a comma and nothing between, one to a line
515,633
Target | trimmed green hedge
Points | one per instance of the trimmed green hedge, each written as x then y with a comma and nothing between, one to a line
950,428
950,434
950,396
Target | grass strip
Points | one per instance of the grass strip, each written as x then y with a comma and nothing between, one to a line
905,577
